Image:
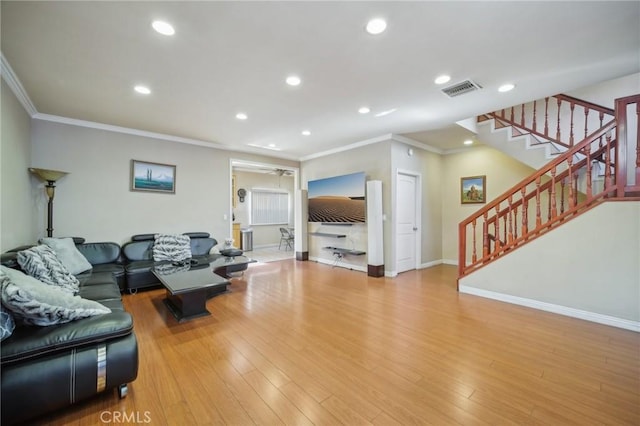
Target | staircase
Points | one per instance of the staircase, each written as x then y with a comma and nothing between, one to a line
594,157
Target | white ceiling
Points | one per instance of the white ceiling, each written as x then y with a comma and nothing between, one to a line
80,60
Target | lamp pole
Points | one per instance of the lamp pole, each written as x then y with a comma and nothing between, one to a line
50,187
49,176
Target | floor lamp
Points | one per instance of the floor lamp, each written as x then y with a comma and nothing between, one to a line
49,176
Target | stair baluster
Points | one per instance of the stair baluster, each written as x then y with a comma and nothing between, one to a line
546,117
552,204
497,228
572,107
485,236
538,215
558,127
474,255
509,238
587,152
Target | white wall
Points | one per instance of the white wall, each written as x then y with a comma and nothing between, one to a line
17,218
95,202
263,235
589,264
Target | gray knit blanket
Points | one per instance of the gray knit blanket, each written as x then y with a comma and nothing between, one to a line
176,248
42,263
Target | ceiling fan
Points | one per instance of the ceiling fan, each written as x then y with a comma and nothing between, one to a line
282,172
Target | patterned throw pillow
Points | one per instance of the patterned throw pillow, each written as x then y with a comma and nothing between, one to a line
7,325
68,254
176,248
42,263
34,302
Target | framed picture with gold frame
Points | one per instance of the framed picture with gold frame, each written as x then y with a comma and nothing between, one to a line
473,190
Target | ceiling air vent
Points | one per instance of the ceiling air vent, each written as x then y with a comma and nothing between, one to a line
461,88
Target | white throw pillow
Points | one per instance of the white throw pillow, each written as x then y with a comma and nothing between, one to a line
34,302
68,254
171,247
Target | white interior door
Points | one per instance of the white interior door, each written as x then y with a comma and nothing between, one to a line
407,222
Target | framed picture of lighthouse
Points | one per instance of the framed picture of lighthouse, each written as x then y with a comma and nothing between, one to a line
153,177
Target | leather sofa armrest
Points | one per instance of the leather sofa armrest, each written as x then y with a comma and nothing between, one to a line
33,341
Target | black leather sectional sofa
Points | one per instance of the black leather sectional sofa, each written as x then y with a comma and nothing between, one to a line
48,368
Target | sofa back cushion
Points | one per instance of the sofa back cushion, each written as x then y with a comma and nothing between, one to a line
138,250
68,254
202,246
100,253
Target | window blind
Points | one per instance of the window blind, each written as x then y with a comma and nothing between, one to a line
269,207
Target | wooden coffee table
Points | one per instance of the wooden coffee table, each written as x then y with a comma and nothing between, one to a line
189,287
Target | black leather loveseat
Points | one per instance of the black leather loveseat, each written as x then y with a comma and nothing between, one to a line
48,368
138,254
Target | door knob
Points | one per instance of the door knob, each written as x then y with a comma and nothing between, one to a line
415,228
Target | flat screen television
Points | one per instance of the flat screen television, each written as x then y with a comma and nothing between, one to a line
338,199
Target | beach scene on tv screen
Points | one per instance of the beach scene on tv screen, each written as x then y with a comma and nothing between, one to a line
337,199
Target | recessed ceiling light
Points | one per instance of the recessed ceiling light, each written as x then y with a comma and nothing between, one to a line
468,142
306,133
272,145
241,116
506,87
376,26
142,89
163,28
364,110
387,112
293,80
442,79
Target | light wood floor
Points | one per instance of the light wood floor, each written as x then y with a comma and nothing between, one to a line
302,343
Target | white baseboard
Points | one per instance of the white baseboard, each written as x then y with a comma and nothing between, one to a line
430,264
450,262
556,309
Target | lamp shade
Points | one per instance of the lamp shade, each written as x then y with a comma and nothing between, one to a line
48,175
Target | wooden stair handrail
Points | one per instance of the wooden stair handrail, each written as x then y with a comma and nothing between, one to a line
543,171
576,176
586,104
546,185
519,122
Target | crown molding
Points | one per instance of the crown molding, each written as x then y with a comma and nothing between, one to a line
349,147
414,143
378,139
16,86
146,134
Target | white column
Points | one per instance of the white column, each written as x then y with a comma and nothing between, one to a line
375,240
300,223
